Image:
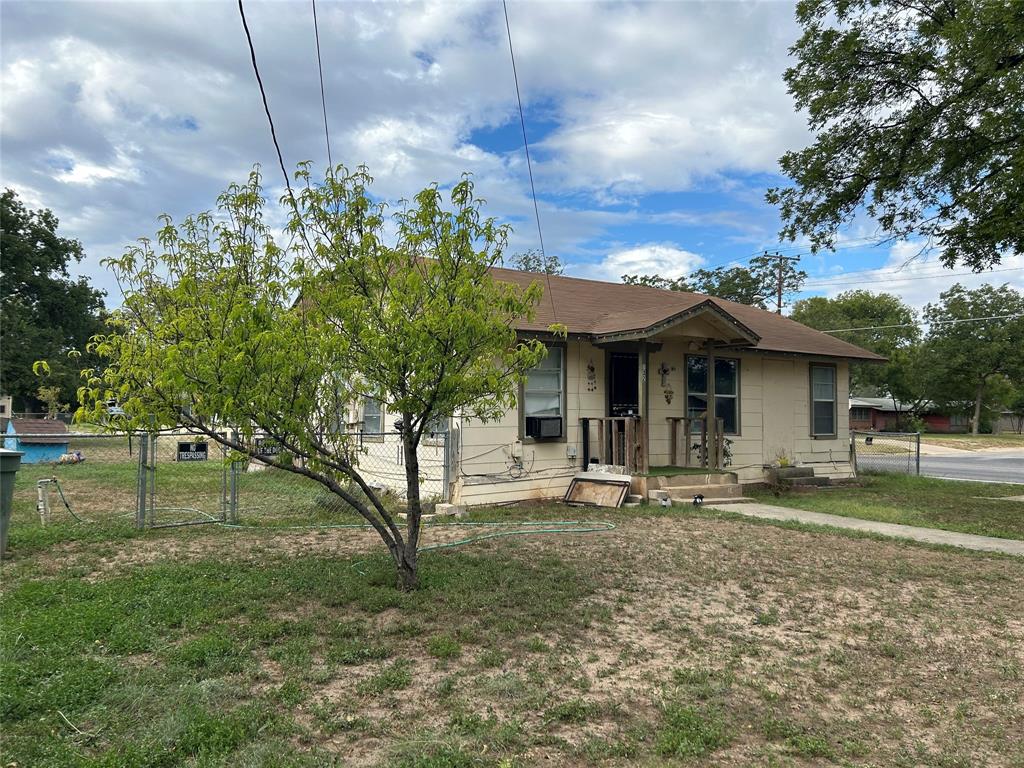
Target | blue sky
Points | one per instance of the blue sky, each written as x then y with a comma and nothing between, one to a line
655,127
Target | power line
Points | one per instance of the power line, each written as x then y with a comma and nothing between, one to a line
266,106
522,122
821,284
529,164
1011,316
323,98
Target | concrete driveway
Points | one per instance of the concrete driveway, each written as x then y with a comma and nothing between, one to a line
994,465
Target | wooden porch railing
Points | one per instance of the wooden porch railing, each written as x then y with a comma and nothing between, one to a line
714,459
621,440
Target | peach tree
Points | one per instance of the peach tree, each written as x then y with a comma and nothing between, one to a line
226,322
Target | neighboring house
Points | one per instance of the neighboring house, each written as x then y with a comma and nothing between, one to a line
631,379
41,440
6,403
879,414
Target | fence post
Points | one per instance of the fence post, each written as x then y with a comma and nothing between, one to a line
918,467
445,487
140,509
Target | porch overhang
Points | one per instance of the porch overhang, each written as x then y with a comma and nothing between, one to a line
733,332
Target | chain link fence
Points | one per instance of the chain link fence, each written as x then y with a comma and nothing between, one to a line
68,476
175,478
262,491
889,452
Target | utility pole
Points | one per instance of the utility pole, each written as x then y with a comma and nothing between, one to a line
781,278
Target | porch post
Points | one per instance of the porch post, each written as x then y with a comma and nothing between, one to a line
643,436
710,449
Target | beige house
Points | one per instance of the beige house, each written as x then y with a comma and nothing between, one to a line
630,386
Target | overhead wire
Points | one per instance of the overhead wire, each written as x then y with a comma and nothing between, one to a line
889,278
323,97
266,105
526,148
1010,316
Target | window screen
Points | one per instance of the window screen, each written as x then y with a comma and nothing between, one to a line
823,400
544,389
372,417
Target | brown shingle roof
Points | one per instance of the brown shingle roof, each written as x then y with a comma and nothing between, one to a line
42,427
592,308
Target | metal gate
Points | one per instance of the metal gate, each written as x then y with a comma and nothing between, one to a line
893,452
182,480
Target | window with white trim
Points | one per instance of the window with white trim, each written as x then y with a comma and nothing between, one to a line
823,400
727,391
373,416
544,388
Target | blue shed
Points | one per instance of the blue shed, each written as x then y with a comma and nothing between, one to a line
43,441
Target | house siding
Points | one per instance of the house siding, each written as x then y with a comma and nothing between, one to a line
774,419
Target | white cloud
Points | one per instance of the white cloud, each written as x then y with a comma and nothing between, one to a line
153,107
72,169
652,259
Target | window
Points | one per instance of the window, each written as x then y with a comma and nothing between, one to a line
727,390
544,388
823,400
860,414
959,420
373,417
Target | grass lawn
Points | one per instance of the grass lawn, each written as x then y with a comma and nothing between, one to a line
923,501
680,638
975,442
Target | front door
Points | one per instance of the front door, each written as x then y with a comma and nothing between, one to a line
624,384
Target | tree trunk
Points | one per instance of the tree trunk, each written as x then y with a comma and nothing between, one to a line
408,567
976,421
408,575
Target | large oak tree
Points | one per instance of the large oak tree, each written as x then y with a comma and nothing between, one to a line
917,110
46,312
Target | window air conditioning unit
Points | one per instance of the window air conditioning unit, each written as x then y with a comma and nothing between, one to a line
543,426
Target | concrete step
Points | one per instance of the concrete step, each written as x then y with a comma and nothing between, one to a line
708,478
685,493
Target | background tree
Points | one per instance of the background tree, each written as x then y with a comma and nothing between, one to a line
211,334
918,113
968,358
534,261
891,330
656,281
51,399
45,312
756,284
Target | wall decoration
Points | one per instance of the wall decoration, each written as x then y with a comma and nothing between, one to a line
665,369
591,376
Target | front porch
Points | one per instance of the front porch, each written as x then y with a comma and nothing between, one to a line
644,422
625,441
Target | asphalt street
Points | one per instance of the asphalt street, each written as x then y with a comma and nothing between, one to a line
990,466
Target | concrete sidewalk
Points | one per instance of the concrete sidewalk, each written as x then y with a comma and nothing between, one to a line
927,535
